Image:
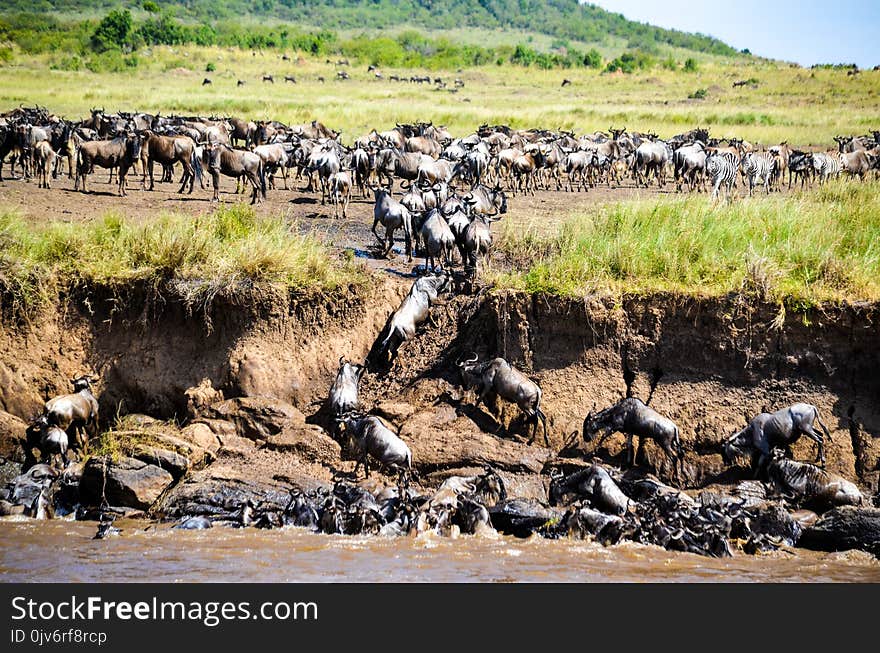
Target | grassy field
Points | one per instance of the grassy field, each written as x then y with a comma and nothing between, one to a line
794,104
823,245
202,256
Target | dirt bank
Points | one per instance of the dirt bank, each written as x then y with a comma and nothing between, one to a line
713,362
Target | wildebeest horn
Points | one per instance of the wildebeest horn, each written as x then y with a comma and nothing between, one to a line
341,358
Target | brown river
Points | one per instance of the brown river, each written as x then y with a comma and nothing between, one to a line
63,550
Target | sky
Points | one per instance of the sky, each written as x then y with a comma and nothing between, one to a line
803,31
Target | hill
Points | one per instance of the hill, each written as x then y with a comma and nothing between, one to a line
563,20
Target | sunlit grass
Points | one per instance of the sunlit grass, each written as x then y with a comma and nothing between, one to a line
824,245
229,246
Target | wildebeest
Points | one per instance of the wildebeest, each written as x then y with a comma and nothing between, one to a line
206,81
593,483
487,201
413,310
78,411
780,429
370,437
498,377
437,238
632,417
122,152
223,159
167,150
344,391
340,191
44,161
52,439
392,215
808,484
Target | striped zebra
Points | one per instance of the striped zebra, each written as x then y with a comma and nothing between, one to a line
826,165
722,167
758,168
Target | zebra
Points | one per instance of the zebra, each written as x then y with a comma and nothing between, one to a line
722,169
825,165
758,168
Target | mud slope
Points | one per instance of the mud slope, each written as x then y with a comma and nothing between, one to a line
706,363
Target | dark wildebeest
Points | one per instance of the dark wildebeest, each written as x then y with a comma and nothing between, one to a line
78,410
223,159
780,429
807,483
498,377
393,215
413,310
632,417
206,81
344,391
370,437
167,150
122,152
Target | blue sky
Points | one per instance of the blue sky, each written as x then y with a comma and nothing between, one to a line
805,31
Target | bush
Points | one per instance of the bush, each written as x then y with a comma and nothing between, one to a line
210,68
690,65
114,31
111,61
699,94
72,62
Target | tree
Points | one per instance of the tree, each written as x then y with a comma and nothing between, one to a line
113,32
151,7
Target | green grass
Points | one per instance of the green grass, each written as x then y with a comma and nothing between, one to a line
790,103
199,256
823,245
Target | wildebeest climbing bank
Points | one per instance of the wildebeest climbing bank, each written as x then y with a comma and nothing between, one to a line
283,326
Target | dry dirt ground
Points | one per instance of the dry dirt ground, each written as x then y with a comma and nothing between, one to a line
542,212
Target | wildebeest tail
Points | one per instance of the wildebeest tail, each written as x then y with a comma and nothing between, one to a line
197,167
262,180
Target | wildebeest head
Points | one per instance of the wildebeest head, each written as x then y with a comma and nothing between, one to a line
593,423
736,446
470,369
83,382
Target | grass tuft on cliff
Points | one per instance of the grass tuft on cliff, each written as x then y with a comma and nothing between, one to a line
227,247
823,245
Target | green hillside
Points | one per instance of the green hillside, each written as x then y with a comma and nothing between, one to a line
563,20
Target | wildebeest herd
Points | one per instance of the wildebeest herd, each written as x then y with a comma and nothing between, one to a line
427,157
455,188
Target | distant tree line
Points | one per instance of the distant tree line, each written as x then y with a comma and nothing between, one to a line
111,43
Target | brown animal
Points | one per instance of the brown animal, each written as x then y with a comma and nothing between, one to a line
222,159
168,150
122,152
44,162
78,411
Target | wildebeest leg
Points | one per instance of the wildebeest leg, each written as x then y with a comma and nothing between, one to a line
817,438
215,178
639,451
630,454
389,240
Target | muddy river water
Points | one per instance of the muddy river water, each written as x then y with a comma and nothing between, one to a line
63,550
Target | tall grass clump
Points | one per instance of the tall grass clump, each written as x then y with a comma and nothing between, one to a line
230,246
822,245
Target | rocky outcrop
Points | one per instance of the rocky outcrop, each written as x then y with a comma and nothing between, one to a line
845,528
129,482
12,437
